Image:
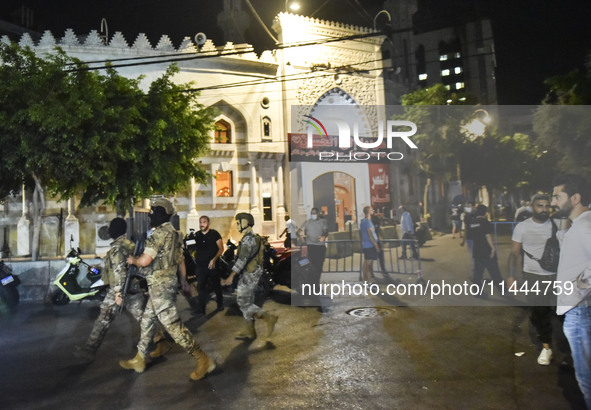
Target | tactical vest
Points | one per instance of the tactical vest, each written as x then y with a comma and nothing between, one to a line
257,258
169,254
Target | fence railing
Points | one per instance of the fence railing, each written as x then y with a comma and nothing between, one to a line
346,255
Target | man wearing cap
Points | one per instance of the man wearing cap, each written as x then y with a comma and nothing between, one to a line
113,274
163,258
249,261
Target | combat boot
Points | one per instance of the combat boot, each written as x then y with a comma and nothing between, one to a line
249,331
138,363
162,347
204,365
270,321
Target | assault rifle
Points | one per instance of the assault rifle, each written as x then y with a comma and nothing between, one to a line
132,271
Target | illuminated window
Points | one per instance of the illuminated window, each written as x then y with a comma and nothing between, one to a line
447,87
458,55
444,72
459,85
458,70
422,77
267,207
223,184
222,133
267,129
443,57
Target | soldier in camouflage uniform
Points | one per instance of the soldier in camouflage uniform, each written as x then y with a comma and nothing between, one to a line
113,274
249,261
163,257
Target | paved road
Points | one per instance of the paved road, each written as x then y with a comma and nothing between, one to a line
388,358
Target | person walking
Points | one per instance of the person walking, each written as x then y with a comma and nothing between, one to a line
163,258
456,221
113,274
290,232
408,232
484,251
571,196
369,243
208,249
313,235
529,239
249,263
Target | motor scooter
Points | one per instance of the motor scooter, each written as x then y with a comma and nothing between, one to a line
70,289
9,296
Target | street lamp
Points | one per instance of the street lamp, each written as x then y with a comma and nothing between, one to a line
292,5
476,127
376,17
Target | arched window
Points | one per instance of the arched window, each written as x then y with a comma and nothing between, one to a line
267,129
222,133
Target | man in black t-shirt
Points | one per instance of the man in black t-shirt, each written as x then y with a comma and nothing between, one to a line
208,248
484,251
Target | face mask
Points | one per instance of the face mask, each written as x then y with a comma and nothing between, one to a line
314,217
468,209
158,216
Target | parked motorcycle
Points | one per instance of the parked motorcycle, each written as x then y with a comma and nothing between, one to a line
9,282
70,288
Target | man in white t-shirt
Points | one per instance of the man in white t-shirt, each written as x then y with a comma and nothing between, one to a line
529,239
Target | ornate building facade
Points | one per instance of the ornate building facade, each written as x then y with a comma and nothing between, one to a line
253,96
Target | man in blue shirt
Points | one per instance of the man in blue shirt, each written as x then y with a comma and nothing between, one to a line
408,232
369,242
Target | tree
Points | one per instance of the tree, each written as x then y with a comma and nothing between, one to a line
66,129
500,162
563,124
438,135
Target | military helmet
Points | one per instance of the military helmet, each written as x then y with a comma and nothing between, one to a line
244,215
164,203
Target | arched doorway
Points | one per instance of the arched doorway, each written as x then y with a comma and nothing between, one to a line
334,196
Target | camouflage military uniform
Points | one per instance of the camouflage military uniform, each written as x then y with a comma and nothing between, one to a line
249,262
164,246
113,274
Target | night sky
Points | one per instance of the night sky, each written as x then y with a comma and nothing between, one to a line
533,39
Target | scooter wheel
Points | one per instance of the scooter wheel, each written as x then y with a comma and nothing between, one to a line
9,296
59,298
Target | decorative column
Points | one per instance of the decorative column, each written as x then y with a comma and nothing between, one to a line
71,228
193,216
23,230
280,199
254,199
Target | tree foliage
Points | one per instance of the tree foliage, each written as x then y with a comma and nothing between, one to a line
438,128
497,161
563,122
68,130
81,131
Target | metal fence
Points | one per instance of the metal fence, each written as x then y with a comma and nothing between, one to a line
346,255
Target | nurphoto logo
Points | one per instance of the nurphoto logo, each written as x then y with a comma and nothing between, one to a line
364,148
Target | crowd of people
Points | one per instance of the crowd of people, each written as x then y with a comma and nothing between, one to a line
536,240
163,265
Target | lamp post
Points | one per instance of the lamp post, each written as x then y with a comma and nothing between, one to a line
473,128
376,17
476,127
